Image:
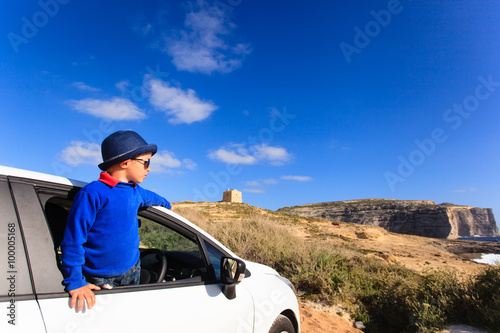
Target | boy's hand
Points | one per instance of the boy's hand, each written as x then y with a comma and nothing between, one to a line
81,294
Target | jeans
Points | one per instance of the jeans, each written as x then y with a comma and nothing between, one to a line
130,277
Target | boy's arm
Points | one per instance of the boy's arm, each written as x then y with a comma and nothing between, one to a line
150,198
80,219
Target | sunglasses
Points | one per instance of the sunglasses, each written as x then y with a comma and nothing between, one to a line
146,163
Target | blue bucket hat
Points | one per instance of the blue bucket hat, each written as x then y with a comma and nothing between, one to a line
123,145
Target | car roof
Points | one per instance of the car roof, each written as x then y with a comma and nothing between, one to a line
15,172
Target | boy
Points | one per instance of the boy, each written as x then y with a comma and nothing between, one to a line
100,248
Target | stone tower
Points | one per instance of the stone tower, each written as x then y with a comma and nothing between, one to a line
232,196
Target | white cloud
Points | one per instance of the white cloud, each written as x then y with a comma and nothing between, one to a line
183,106
79,153
115,108
167,159
276,155
189,164
123,86
335,144
253,190
84,61
164,161
270,181
472,189
239,154
235,154
84,87
298,178
143,29
202,45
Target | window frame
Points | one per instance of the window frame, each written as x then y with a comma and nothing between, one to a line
22,272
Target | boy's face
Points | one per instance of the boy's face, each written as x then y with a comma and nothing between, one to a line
138,168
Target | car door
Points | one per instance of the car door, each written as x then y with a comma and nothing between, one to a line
193,302
20,311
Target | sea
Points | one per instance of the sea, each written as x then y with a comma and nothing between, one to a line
481,238
486,258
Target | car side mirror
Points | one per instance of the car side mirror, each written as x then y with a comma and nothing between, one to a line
232,272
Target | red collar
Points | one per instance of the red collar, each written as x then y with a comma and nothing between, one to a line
108,180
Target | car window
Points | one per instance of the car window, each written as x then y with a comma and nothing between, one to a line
215,258
184,256
158,236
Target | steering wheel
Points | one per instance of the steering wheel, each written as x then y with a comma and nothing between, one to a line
162,259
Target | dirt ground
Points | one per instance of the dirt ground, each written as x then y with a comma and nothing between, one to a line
321,320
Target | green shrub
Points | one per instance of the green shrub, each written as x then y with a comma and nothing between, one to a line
481,300
430,302
155,236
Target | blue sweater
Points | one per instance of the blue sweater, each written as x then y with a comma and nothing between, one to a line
102,235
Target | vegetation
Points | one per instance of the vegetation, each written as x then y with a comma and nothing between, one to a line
387,298
159,237
362,202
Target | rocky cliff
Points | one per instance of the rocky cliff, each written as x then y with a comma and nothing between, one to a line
413,217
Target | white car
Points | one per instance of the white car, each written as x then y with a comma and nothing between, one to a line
191,282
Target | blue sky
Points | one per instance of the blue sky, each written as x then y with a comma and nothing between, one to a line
289,102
